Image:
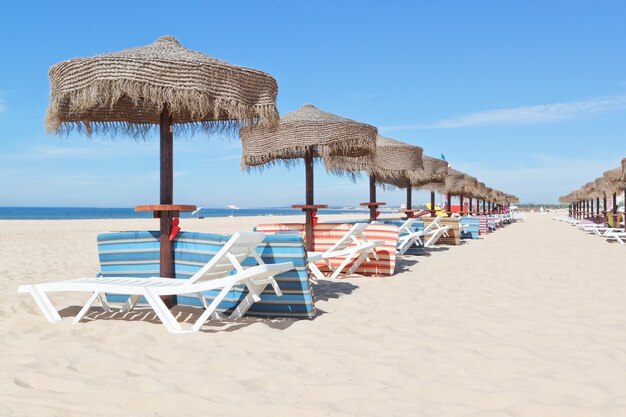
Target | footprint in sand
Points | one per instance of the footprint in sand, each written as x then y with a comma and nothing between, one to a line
22,384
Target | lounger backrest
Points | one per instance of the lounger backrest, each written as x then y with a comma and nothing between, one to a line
239,247
406,227
433,225
354,235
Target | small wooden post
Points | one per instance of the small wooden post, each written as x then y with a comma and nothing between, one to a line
597,206
461,205
166,197
433,212
449,205
308,164
373,197
484,206
409,197
471,203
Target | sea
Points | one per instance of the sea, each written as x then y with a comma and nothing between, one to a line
74,213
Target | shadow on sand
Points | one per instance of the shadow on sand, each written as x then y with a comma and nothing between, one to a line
184,315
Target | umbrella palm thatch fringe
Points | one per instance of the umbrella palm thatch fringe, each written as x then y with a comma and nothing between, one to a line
307,129
434,173
126,91
390,163
613,179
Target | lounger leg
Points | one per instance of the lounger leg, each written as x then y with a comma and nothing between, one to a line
211,309
102,297
343,264
316,271
164,314
86,307
202,299
357,263
46,307
130,303
254,295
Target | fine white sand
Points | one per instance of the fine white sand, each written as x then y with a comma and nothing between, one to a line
529,321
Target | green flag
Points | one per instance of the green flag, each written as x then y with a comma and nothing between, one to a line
443,157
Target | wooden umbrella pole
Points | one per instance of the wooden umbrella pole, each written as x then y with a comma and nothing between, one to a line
484,207
597,206
471,203
409,197
614,203
372,197
308,163
166,197
433,211
449,205
461,205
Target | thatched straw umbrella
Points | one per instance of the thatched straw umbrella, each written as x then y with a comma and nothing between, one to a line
388,165
431,178
162,84
614,184
480,195
306,133
455,183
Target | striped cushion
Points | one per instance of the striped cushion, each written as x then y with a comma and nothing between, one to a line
472,231
136,254
483,227
326,234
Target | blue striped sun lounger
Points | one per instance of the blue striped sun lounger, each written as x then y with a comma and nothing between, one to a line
136,254
472,230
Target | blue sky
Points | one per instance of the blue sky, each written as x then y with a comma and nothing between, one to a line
529,97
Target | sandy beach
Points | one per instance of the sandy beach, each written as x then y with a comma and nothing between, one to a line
529,321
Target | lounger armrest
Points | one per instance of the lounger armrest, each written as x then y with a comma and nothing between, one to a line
315,256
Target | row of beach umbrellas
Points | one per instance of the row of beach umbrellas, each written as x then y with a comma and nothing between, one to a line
180,90
610,184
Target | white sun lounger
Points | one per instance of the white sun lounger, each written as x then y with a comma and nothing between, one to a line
215,274
620,237
433,232
353,245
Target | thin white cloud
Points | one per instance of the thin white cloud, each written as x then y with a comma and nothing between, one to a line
540,179
528,115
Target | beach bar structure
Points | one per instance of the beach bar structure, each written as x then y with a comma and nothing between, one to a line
162,84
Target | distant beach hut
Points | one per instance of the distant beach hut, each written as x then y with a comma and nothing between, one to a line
389,164
307,133
162,84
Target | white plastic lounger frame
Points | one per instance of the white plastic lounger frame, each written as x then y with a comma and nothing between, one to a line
434,231
353,245
214,275
620,237
411,237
